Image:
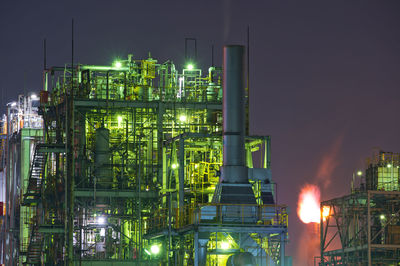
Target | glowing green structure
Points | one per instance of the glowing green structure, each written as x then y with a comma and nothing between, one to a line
131,159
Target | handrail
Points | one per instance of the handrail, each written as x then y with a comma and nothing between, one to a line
218,213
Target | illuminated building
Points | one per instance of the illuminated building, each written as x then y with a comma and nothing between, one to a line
128,166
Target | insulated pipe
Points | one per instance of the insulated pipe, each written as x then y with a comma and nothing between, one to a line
234,170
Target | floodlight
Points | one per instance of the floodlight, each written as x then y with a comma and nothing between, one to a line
34,97
174,165
101,220
118,64
189,66
224,245
155,249
359,173
182,118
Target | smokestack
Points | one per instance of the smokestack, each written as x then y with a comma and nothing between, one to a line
234,113
234,185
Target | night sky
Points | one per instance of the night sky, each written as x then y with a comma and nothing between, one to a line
324,75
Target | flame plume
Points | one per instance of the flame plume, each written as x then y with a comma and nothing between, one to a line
308,206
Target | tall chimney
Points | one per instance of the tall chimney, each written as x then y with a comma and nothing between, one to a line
234,185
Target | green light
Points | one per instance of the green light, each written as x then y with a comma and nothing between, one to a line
182,118
382,217
389,165
117,64
359,173
174,165
189,66
119,118
224,245
155,249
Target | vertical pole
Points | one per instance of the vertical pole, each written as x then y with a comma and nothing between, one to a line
212,55
44,55
369,227
282,249
196,248
160,163
70,166
169,227
181,173
269,152
7,190
321,241
195,49
140,199
72,176
248,83
45,72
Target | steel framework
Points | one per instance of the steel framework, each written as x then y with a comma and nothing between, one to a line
126,166
363,228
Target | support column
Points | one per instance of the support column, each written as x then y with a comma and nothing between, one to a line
369,227
200,248
160,114
196,249
282,249
203,251
181,173
321,241
69,182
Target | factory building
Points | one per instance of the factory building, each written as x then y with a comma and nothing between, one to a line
363,228
139,163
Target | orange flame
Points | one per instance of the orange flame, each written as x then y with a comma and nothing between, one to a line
326,211
308,206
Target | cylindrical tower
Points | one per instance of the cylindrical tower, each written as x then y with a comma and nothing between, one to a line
234,185
234,115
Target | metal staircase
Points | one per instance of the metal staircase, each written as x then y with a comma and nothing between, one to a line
34,253
32,198
36,173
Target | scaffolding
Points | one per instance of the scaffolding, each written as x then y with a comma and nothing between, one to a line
127,166
363,228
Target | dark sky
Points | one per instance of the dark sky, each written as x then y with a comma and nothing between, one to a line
324,74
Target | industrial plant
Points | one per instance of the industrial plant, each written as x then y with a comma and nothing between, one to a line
363,228
146,163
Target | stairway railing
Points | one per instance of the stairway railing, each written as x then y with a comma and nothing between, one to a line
32,197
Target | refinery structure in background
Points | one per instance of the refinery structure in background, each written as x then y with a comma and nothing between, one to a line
363,228
138,163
